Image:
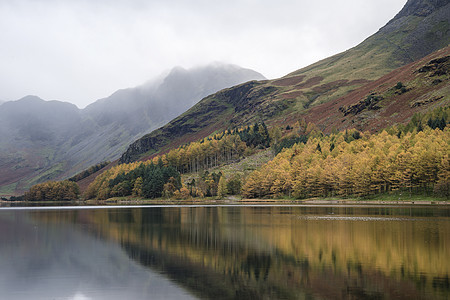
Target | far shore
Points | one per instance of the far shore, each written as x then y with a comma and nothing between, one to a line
232,201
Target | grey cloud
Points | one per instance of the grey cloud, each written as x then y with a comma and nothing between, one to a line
80,51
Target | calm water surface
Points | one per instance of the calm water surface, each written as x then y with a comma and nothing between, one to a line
225,252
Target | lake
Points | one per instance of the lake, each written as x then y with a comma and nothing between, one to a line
225,252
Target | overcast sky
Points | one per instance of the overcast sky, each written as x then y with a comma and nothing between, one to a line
83,50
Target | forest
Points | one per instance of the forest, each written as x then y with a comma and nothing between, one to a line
415,162
161,176
147,180
89,171
53,191
218,149
412,158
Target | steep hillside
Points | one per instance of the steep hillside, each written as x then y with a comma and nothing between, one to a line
419,29
392,99
44,140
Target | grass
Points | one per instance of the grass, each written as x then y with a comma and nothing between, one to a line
242,168
388,198
246,165
8,190
50,173
379,199
405,196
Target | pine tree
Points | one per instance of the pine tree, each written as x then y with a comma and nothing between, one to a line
234,185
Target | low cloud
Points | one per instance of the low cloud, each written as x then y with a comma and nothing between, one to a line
80,51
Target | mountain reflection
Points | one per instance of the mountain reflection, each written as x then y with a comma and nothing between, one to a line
270,252
45,255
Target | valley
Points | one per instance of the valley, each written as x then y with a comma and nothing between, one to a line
396,82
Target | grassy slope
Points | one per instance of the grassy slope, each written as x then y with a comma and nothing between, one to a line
241,168
410,35
423,93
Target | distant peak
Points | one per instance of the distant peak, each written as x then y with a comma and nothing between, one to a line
214,67
177,69
221,65
30,98
35,101
210,66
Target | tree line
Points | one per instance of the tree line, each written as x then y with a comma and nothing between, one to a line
412,157
144,179
88,172
213,184
437,118
372,164
53,191
221,148
160,177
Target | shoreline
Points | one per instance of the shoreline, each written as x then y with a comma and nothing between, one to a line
230,201
346,201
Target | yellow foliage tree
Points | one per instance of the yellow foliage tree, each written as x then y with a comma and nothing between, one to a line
222,190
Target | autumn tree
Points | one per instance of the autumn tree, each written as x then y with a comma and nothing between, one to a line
222,189
53,191
137,188
170,188
349,164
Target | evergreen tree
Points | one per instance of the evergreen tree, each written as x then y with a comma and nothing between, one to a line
234,185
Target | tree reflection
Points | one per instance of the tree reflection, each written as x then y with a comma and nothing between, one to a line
286,253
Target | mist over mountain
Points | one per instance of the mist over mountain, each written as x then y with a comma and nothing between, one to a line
32,119
43,140
331,93
419,29
156,102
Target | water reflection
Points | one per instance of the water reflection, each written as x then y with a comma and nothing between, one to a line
48,255
232,252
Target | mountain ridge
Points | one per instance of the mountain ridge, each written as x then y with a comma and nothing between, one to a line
290,97
345,82
44,140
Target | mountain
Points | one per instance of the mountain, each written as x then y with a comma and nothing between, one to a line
32,130
420,28
130,113
45,140
32,119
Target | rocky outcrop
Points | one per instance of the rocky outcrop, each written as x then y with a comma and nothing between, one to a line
369,103
437,67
